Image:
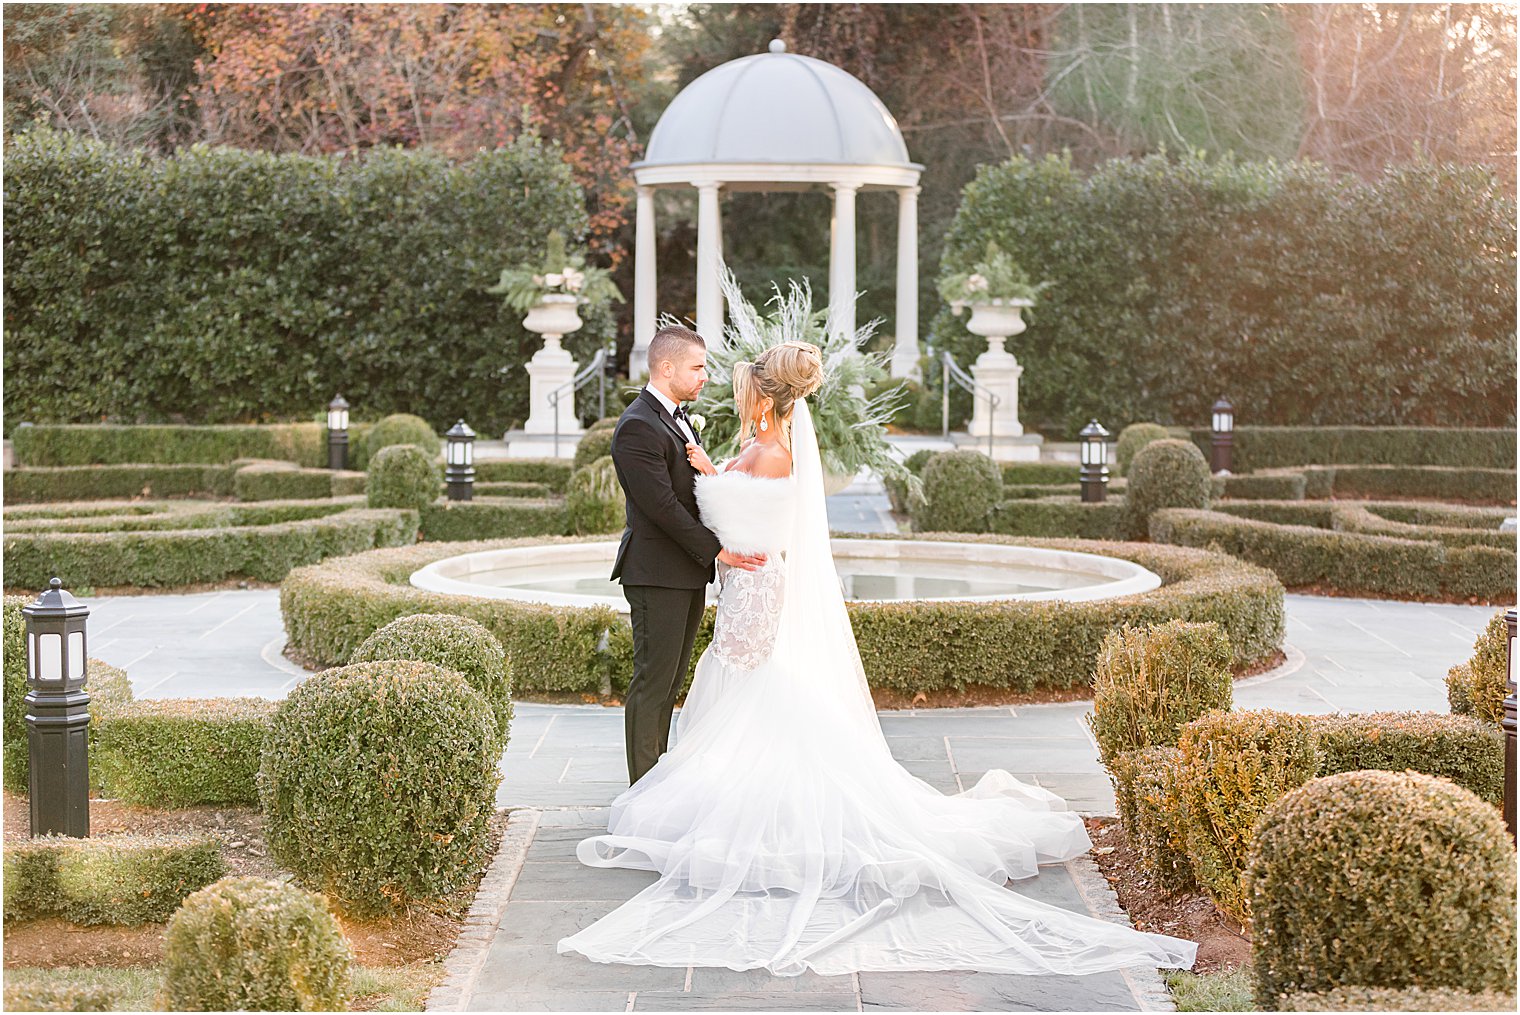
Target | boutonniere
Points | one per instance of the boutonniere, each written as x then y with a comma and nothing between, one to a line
697,420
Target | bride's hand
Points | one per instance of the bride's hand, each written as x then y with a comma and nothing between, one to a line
699,460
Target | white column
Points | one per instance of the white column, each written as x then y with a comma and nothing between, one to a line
645,298
709,258
905,350
842,259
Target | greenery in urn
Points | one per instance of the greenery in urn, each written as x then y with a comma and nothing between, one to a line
561,273
851,427
995,278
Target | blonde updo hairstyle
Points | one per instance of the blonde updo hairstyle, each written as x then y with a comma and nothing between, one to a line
783,373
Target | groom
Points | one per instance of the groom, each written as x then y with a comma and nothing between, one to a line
666,558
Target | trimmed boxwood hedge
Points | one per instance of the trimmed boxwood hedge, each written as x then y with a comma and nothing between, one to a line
1319,482
1385,879
1461,748
377,783
280,481
330,608
1270,447
154,516
1398,999
510,488
492,518
164,558
180,752
552,472
247,481
256,944
1039,473
1061,517
116,879
122,444
1347,562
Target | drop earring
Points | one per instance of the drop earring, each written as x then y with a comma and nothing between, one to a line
763,424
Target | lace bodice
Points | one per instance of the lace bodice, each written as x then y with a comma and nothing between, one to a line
750,514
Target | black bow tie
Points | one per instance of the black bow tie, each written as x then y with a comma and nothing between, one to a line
680,412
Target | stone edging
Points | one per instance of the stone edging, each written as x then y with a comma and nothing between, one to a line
469,954
1147,985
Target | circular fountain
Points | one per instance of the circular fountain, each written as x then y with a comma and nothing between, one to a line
872,570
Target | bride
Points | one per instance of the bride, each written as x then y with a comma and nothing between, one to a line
786,836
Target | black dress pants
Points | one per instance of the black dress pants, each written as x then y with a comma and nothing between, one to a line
665,623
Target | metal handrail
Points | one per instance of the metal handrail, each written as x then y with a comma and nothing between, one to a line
951,371
598,367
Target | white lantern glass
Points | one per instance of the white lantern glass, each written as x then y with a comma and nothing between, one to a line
1512,662
1224,422
455,452
47,657
76,655
337,419
468,447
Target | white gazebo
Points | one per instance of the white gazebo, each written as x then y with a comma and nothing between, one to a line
775,122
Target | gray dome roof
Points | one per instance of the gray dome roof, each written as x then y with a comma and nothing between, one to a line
777,107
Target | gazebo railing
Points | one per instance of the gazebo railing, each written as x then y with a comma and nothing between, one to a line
951,371
596,368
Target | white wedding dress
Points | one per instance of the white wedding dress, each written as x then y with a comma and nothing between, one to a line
786,836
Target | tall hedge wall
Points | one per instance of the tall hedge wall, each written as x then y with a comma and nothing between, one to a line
219,285
1307,296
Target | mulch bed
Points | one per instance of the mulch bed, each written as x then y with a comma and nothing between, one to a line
1223,944
418,937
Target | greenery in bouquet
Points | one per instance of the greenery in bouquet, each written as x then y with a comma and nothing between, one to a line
995,278
851,426
561,273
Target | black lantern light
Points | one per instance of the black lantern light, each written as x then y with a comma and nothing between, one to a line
57,713
1223,426
1508,722
337,433
459,457
1094,462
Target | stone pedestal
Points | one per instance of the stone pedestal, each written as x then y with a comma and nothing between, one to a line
998,371
551,369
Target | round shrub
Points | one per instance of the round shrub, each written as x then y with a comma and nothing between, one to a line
453,643
593,445
397,429
960,490
1150,681
1234,765
605,423
898,490
1407,999
1134,437
403,476
1476,687
377,782
253,944
594,499
1165,474
1381,879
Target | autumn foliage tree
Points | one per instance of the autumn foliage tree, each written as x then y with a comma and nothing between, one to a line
452,77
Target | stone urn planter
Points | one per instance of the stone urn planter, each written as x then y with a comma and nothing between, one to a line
997,369
552,368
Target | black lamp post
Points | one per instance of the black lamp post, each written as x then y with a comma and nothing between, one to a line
1094,462
1508,723
1223,425
337,433
57,713
459,456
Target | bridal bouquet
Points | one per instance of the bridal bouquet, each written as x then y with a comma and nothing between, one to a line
997,278
561,274
851,428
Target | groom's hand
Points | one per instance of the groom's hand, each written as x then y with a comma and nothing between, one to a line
745,561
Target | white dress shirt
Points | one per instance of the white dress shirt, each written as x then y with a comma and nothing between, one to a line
670,407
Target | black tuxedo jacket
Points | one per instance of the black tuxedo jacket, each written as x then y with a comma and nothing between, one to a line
663,542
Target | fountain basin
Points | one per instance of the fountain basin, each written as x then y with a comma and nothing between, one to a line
872,570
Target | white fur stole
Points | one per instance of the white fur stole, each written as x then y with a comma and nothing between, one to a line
750,514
